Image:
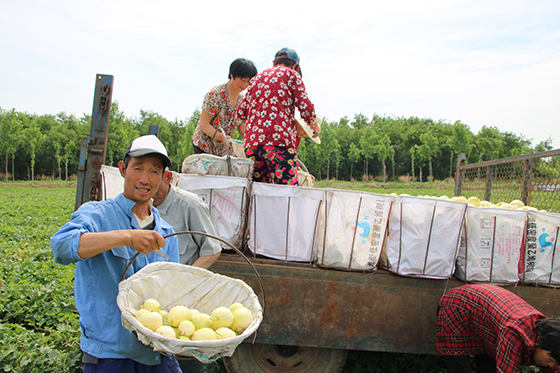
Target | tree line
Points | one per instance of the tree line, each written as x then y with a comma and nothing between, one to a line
384,147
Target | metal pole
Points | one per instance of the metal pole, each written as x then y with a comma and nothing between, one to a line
94,147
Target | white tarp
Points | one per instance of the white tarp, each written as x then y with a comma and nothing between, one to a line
493,245
353,229
424,235
542,254
207,164
227,198
113,182
283,221
175,284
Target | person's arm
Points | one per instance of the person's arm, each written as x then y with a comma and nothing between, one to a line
509,350
241,128
206,261
306,107
143,241
208,128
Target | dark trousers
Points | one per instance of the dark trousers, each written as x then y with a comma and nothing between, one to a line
462,364
190,365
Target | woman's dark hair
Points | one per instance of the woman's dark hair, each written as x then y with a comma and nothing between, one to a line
548,331
242,68
281,58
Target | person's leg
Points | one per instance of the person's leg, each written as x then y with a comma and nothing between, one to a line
260,169
485,364
282,165
190,365
167,365
458,364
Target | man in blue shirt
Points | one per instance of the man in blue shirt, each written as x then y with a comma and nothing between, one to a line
102,238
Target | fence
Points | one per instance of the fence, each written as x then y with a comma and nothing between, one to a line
532,178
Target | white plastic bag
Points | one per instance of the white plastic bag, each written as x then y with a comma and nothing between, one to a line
283,221
207,164
542,254
424,236
227,198
177,284
113,182
493,245
353,229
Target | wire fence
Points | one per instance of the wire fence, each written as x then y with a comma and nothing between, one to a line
532,178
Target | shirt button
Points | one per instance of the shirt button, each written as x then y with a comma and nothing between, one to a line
86,344
157,358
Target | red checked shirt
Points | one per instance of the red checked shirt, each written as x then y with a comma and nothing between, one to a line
269,108
487,319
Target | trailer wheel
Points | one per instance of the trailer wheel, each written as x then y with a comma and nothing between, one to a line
266,358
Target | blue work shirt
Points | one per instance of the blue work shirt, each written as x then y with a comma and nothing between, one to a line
97,278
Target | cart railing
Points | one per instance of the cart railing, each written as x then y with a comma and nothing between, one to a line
532,178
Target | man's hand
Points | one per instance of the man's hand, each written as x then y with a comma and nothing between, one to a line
146,241
143,241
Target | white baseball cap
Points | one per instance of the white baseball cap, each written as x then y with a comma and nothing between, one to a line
148,144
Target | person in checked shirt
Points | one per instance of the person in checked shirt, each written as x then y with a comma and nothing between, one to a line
500,329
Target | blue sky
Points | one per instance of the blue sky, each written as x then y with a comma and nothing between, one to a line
493,63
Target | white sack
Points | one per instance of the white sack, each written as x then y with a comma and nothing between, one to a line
207,164
493,245
424,236
542,258
353,229
175,284
283,222
113,182
227,198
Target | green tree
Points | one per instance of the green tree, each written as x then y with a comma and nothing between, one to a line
10,137
354,156
34,139
121,133
428,150
330,148
367,147
412,153
384,149
460,141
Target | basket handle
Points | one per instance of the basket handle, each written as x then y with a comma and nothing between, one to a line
229,147
222,241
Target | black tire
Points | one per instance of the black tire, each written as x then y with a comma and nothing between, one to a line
265,358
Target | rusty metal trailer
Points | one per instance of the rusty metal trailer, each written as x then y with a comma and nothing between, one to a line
313,315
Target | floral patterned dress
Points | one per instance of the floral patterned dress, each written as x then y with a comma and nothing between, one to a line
216,103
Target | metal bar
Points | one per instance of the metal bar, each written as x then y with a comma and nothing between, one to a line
288,227
355,231
489,178
429,239
553,255
493,247
516,158
528,173
458,174
92,152
153,130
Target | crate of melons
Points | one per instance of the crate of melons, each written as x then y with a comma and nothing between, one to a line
181,310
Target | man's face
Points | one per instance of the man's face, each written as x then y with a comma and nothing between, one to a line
163,189
542,357
142,177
